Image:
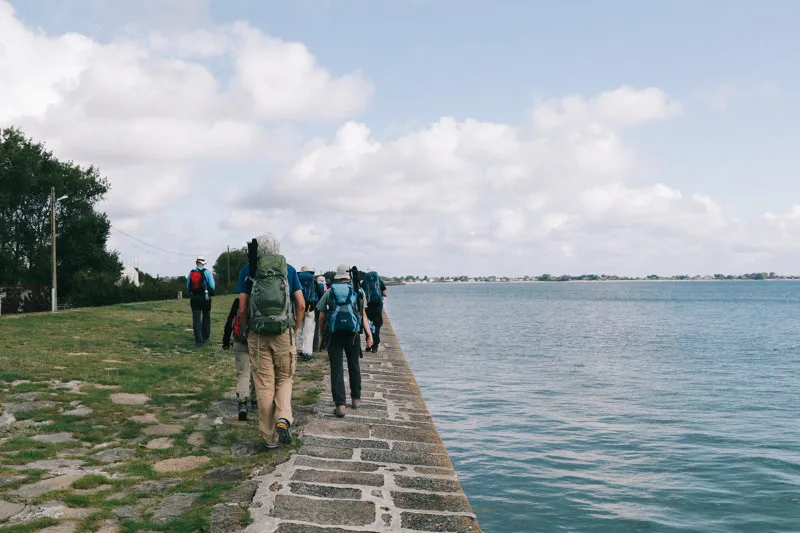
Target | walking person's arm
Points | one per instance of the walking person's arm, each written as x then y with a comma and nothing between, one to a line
365,323
299,303
226,334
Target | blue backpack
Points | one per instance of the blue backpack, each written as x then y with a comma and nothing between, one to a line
344,315
308,283
372,286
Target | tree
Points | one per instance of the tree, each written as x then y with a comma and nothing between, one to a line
27,172
225,279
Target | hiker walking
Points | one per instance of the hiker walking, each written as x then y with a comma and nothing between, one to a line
234,336
320,334
311,293
200,287
376,291
342,313
270,306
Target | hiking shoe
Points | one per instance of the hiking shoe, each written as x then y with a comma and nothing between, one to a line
339,411
242,411
356,402
306,356
269,446
284,433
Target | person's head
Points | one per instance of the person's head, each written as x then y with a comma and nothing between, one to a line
342,273
306,269
370,269
268,244
200,262
320,279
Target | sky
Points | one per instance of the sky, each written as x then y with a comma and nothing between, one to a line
429,137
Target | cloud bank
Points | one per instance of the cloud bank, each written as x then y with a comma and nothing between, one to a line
207,136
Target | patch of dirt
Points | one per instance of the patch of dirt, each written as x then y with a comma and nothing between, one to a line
125,398
181,464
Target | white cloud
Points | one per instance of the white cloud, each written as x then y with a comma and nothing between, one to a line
197,162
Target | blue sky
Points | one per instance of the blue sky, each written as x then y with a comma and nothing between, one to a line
731,65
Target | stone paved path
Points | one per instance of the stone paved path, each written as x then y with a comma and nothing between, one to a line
381,468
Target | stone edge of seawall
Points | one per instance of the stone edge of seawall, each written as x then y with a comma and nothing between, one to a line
382,468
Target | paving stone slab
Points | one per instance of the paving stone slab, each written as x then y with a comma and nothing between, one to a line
163,430
405,458
44,486
428,483
226,519
338,478
53,464
124,398
147,418
431,502
323,491
304,528
226,474
432,522
240,450
419,447
181,464
243,493
405,434
64,527
326,453
174,506
326,512
336,465
336,428
55,438
154,486
161,443
434,471
114,455
9,509
80,411
312,440
14,408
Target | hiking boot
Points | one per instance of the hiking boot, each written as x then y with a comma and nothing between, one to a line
242,411
356,402
269,446
339,411
306,356
284,433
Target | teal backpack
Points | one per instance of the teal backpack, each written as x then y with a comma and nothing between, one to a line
343,309
269,305
372,286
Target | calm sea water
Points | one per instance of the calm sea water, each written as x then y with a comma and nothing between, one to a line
619,407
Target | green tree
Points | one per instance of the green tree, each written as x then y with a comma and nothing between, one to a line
226,280
27,172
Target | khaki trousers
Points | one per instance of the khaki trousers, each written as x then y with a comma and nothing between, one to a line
244,379
273,359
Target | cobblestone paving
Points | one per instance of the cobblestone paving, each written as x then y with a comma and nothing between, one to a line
381,468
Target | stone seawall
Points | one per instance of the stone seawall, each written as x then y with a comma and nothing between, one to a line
381,468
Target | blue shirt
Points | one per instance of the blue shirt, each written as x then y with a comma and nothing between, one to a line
294,281
209,279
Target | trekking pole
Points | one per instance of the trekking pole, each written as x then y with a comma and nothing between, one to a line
215,352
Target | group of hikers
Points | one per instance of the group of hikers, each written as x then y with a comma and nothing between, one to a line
280,314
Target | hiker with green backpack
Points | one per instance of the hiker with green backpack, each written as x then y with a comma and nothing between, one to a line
270,306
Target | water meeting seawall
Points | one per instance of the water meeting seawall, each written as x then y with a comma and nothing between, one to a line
381,468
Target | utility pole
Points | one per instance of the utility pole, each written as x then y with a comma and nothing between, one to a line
229,264
53,237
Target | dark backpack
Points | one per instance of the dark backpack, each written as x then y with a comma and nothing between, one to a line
197,282
343,309
309,285
372,286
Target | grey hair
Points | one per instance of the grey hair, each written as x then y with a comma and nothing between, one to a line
268,244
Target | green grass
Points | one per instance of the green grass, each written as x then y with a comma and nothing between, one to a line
155,355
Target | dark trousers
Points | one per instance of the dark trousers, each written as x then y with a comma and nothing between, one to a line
201,319
316,331
375,314
339,345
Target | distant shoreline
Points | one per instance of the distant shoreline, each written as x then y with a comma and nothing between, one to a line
589,281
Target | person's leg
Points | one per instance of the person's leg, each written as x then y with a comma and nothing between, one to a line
335,354
316,343
375,314
306,344
197,325
263,371
243,379
207,321
353,350
284,357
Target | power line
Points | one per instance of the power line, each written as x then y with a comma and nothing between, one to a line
153,245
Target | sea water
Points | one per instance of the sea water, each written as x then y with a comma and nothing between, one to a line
619,407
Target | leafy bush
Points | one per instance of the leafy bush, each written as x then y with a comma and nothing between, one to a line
92,290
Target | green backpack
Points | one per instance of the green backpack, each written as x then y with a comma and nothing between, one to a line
269,305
